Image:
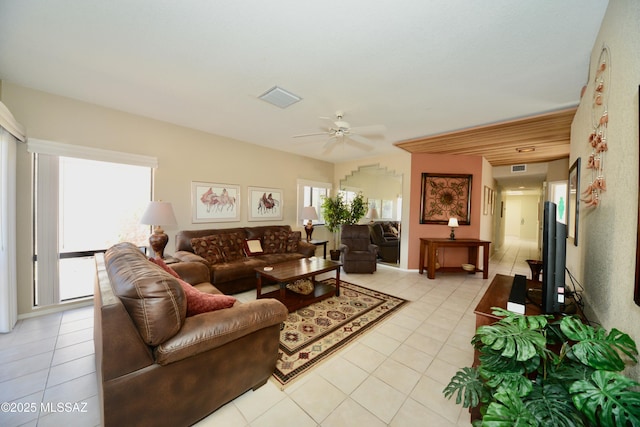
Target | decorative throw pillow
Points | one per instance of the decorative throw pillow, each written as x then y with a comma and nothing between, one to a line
160,262
207,247
275,241
231,245
292,241
197,301
201,302
253,247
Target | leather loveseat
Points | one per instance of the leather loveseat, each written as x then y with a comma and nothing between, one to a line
227,252
155,365
388,244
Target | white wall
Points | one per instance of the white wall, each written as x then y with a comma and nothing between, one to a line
605,260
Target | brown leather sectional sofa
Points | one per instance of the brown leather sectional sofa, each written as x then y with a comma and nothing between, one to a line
235,273
157,367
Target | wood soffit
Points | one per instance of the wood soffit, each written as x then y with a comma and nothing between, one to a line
549,134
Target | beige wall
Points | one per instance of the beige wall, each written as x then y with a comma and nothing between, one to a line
184,155
605,260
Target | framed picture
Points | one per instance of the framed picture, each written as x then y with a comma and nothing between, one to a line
573,198
212,202
265,204
445,196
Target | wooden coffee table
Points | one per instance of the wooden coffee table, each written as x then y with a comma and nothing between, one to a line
290,271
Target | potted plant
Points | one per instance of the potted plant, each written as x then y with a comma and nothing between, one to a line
337,212
535,372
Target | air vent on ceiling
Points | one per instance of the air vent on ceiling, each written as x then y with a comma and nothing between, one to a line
279,97
518,168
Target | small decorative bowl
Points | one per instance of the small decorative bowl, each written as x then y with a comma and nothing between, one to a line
468,267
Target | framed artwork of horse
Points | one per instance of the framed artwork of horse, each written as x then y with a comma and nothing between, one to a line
212,202
265,204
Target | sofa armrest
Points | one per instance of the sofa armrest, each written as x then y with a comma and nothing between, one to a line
211,330
373,248
343,248
306,248
186,256
192,272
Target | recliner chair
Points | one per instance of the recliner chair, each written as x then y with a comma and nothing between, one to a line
357,253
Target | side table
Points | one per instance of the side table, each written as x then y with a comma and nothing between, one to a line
323,243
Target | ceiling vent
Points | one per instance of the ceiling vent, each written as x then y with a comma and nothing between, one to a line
518,168
279,97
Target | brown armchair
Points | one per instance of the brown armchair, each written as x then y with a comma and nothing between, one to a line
357,253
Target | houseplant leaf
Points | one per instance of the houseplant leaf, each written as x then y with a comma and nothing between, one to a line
511,340
607,400
596,348
468,387
507,410
551,405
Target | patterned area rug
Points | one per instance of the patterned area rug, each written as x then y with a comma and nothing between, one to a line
313,333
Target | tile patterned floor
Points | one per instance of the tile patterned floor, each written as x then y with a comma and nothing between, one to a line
392,375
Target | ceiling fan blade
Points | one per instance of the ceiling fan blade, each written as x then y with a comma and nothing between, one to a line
310,134
369,130
360,142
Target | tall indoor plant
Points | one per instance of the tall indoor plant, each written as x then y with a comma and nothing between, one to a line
337,212
535,372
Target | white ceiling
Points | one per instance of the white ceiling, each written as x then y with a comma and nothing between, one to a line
419,67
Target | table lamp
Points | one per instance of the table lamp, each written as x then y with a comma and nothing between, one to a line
372,214
453,223
309,213
158,214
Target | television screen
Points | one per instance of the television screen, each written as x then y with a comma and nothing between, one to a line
554,248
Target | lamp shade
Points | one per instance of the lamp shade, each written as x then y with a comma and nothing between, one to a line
453,222
159,213
372,214
309,212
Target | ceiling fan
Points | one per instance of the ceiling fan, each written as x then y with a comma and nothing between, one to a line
341,131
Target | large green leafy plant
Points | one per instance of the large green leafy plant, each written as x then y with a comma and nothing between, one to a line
535,372
337,212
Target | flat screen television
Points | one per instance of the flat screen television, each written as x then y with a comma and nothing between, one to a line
554,253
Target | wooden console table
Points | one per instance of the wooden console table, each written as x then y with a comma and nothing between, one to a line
429,246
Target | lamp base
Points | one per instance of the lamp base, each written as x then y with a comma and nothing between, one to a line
158,241
308,229
452,236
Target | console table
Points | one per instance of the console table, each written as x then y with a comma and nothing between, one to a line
429,246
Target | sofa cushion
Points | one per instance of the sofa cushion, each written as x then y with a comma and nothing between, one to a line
207,247
201,302
153,298
253,247
275,241
292,241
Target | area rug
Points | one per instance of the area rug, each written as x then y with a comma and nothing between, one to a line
311,334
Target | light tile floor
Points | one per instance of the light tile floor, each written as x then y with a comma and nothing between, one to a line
393,375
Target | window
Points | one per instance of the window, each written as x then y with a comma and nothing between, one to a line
312,193
83,206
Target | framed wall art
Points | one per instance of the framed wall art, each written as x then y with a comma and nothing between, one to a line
445,196
573,199
265,204
212,202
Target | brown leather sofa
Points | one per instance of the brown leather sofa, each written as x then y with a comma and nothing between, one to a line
157,367
235,273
